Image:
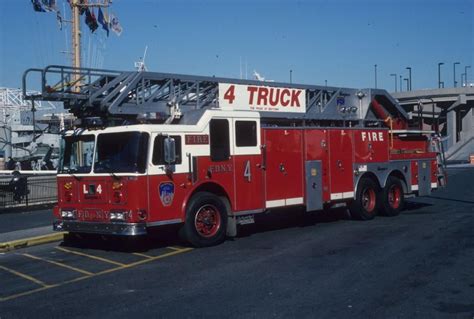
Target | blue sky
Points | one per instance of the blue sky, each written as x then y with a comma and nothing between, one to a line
334,40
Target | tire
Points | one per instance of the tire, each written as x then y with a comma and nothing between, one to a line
365,205
392,198
206,220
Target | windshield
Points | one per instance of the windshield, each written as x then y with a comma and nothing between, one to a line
121,153
77,154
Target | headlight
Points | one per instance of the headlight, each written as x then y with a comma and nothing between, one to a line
117,216
68,214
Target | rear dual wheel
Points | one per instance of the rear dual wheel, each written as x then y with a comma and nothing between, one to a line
365,205
371,199
392,198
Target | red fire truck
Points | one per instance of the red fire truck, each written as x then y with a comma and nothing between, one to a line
152,149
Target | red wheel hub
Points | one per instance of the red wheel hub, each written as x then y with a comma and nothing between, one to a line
207,221
368,200
394,196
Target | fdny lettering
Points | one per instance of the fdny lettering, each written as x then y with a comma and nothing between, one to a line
372,136
223,168
273,96
92,214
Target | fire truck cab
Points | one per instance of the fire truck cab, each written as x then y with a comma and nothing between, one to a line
154,149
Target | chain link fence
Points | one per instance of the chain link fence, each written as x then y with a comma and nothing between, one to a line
20,190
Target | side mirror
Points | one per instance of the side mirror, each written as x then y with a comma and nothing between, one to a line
169,147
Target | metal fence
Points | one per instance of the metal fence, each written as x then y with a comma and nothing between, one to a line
20,190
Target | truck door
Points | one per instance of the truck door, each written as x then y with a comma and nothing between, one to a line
340,164
247,163
283,162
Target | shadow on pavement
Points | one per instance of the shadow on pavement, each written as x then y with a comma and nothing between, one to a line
168,235
452,199
291,218
160,238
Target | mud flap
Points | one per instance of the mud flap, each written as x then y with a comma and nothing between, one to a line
231,226
231,230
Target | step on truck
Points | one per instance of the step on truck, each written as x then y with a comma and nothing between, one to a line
151,149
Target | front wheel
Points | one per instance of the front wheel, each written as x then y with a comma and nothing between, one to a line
365,205
392,198
206,220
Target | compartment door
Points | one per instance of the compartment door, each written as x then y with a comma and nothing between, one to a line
424,178
340,164
314,187
283,167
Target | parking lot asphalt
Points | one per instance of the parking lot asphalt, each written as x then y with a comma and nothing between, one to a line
15,220
27,227
289,264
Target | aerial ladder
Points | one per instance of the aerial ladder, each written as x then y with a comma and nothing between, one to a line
111,97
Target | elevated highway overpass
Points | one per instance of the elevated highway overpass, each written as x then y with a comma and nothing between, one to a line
449,111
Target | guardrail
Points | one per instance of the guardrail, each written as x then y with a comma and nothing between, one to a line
22,189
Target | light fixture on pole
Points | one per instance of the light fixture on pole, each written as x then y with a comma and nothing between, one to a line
409,78
375,67
465,74
454,73
408,83
395,78
439,74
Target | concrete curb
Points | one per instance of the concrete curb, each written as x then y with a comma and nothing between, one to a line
31,241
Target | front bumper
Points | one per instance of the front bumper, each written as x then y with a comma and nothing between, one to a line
123,229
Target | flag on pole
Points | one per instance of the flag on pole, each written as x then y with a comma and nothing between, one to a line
37,6
115,25
103,21
49,5
59,18
91,20
83,6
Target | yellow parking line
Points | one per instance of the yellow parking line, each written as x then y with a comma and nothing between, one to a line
121,266
177,248
143,255
90,256
144,261
85,272
25,276
29,292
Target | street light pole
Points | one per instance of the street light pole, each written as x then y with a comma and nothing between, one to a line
291,76
408,85
409,77
375,67
465,73
454,73
395,78
439,74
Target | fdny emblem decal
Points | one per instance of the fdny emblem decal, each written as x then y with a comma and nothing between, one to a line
166,193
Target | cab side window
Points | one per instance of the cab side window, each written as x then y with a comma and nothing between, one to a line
245,133
219,140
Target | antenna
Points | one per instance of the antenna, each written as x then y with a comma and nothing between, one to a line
246,72
241,67
140,65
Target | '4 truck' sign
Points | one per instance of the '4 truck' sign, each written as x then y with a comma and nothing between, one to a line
261,98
